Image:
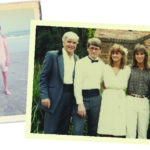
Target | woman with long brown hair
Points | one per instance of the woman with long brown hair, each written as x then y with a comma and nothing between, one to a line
138,92
112,120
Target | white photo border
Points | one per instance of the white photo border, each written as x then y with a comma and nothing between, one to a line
28,133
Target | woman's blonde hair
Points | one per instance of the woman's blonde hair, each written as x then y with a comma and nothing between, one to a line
121,49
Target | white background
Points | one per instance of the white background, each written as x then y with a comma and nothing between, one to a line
95,11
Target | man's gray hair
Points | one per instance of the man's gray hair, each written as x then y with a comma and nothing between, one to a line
70,35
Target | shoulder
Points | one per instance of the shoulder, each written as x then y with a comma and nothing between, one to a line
127,69
148,70
134,69
52,53
82,60
102,63
107,66
76,56
107,69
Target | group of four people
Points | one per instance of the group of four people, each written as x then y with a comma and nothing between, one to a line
70,87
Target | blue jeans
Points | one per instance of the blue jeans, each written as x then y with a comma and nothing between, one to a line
92,106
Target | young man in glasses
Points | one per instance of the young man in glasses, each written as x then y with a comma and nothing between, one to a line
87,84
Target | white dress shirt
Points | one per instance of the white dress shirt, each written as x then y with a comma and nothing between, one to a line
68,67
88,75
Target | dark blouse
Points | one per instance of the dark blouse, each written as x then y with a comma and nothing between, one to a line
139,82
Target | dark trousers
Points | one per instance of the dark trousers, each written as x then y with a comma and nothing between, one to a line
92,106
58,123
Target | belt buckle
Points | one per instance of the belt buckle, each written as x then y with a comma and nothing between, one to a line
141,96
138,96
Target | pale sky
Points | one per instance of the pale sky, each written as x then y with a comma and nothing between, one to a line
15,20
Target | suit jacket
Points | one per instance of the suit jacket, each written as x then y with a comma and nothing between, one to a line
51,79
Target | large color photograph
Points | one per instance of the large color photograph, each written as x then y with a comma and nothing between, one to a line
91,82
14,50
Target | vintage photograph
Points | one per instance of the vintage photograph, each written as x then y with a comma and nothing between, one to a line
88,80
14,50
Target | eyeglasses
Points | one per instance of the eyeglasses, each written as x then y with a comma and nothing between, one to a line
94,48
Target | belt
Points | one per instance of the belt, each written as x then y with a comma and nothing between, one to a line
138,96
114,89
90,93
68,87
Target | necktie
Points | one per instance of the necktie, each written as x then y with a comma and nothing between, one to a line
92,60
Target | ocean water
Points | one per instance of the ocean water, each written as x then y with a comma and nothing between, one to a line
18,43
15,104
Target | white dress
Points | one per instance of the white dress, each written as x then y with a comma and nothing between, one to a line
112,119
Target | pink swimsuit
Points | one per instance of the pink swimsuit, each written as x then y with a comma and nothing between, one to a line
3,47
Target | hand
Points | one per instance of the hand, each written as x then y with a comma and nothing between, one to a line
46,102
7,62
81,110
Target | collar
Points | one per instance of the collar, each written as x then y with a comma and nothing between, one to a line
65,54
93,60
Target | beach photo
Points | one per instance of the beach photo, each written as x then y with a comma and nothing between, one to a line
81,80
14,49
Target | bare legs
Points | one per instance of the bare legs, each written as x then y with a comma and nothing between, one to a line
7,92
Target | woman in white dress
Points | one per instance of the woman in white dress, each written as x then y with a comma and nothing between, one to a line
112,120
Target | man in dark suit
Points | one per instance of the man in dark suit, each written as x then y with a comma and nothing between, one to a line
56,85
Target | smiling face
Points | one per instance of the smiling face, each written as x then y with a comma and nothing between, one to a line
140,56
116,56
70,45
94,51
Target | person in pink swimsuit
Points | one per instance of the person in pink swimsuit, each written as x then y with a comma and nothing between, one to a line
4,60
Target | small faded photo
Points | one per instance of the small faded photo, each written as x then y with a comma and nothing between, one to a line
88,80
14,50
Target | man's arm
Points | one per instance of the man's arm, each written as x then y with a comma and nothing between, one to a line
44,80
78,90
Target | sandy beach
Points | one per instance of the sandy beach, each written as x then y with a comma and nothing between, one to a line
15,104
